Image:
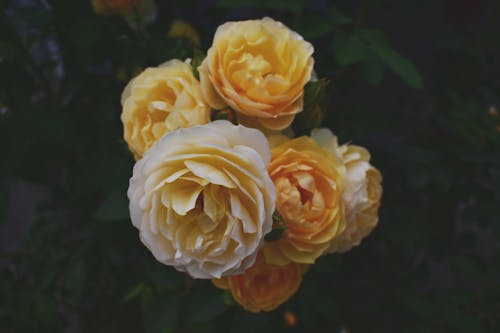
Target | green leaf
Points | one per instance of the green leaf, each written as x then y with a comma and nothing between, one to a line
198,57
290,5
313,26
311,117
338,17
274,235
228,298
225,114
314,91
348,49
114,207
134,292
400,65
279,225
277,218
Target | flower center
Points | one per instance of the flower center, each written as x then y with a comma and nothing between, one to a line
252,71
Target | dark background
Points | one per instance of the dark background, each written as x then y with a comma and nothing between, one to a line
416,82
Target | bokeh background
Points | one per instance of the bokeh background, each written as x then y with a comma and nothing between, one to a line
416,82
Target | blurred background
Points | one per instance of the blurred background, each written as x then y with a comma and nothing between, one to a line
416,82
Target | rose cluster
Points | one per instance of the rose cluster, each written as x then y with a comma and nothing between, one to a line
245,205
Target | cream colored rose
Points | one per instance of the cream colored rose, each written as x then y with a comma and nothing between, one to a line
202,199
258,68
159,100
362,192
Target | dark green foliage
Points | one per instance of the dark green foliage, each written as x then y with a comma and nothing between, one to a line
416,82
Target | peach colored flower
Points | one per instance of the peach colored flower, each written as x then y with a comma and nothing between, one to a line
160,100
258,68
264,287
309,181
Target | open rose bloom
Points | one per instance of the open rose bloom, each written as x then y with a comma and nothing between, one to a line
362,196
224,202
259,68
309,182
160,100
202,199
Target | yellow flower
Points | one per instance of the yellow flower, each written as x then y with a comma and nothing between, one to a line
159,100
202,199
362,195
258,68
263,287
183,29
309,185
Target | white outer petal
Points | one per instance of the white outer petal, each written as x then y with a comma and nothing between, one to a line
248,143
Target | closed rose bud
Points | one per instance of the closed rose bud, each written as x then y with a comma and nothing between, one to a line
290,319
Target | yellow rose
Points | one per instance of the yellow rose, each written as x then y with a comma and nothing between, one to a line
202,199
309,185
263,287
362,195
159,100
258,68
